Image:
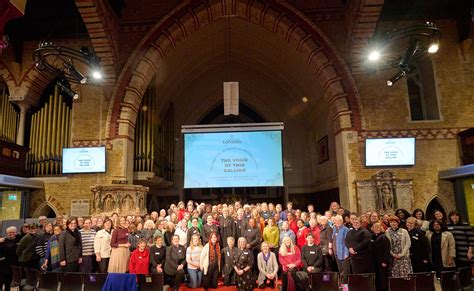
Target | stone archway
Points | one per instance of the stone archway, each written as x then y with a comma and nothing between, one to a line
39,200
284,23
277,17
431,204
46,209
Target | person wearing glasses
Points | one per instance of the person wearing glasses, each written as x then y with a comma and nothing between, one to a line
70,247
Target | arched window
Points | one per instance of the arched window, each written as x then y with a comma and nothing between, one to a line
422,93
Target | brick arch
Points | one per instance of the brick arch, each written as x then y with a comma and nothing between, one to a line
29,85
33,83
39,200
277,17
7,76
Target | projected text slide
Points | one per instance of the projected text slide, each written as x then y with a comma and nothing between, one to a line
390,152
84,160
233,159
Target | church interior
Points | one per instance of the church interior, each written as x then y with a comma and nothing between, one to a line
310,65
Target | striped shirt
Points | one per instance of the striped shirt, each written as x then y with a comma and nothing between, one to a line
87,242
464,238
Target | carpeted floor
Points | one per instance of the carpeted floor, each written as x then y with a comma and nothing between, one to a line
221,287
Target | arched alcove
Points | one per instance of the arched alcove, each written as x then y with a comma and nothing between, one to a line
46,209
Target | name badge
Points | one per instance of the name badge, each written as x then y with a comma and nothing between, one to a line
228,254
139,257
414,237
179,251
157,253
312,252
126,234
246,253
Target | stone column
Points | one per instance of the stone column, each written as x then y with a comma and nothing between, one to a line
345,142
125,142
20,137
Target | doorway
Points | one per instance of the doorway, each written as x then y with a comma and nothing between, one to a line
47,211
432,206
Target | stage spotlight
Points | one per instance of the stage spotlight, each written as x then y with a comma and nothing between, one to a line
67,91
374,56
395,78
97,74
75,73
434,47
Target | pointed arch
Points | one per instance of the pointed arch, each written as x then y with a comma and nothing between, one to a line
277,17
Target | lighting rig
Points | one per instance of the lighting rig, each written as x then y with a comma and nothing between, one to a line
401,47
68,65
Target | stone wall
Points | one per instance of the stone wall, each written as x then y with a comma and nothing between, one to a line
386,114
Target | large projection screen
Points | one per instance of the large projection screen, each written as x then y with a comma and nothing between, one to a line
226,157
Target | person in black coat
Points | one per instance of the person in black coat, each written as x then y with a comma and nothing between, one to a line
175,262
227,264
382,256
192,230
157,255
464,238
240,224
226,226
70,247
325,237
358,241
254,238
207,229
311,256
420,247
8,257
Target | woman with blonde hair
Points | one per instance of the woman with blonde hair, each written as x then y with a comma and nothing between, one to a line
243,263
148,231
120,255
193,255
420,247
289,257
169,232
267,267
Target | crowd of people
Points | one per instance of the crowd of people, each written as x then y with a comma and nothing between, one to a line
246,245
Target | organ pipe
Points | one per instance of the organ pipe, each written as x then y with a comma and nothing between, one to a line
50,132
9,117
154,138
143,134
